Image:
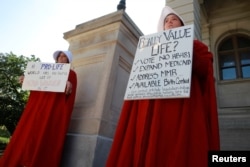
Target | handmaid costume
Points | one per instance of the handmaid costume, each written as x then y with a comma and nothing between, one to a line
170,132
39,136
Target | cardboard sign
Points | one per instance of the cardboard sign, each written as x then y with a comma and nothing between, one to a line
46,76
162,66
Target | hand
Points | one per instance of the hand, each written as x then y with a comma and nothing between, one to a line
21,78
68,88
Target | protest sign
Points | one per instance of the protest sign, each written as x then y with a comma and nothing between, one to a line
162,66
46,76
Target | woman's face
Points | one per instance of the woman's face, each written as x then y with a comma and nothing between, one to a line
62,58
172,21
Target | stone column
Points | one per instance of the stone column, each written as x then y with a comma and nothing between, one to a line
103,51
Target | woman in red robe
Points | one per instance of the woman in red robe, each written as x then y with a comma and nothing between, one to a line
39,136
170,132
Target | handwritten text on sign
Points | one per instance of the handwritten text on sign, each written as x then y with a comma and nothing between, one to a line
162,66
46,76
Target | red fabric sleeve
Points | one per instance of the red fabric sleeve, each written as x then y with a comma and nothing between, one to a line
203,69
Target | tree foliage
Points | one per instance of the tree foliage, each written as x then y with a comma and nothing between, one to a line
12,97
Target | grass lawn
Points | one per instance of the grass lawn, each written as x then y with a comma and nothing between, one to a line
4,139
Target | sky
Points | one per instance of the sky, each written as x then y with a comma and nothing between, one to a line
36,27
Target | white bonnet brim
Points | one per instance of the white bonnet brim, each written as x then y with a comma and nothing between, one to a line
165,12
67,53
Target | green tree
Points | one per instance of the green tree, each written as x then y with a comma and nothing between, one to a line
12,97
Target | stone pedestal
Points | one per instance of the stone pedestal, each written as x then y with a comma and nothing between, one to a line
103,51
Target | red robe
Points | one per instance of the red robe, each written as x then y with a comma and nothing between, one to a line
39,136
170,132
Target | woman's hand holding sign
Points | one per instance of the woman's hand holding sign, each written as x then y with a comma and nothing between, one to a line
68,88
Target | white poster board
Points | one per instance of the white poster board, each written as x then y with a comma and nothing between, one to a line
46,76
162,66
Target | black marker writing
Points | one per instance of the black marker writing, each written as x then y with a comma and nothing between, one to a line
177,34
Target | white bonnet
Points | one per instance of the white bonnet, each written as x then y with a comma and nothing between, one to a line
67,53
165,12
